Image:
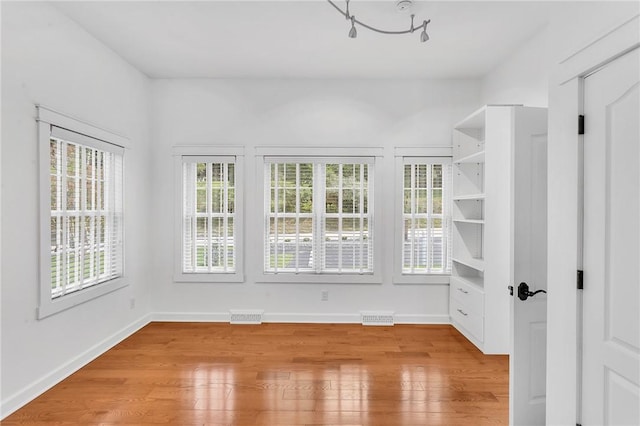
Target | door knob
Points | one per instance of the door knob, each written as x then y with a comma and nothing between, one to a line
524,293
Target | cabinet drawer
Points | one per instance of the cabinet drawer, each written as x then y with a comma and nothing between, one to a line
469,296
470,321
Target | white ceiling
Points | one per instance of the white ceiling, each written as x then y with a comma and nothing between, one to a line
307,38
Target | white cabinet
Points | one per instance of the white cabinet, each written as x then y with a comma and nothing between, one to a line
483,220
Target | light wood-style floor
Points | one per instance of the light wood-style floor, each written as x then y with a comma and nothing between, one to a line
282,374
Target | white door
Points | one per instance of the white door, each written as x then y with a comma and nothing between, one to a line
611,296
527,363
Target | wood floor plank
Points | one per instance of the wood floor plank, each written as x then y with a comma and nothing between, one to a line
281,374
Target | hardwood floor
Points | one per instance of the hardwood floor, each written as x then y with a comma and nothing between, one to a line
282,374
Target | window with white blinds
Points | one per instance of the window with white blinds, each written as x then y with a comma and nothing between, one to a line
426,216
318,216
86,212
208,214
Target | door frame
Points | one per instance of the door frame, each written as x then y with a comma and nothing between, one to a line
565,216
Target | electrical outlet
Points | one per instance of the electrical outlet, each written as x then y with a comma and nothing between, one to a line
324,296
132,303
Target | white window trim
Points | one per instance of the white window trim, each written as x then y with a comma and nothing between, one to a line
426,155
47,117
296,153
179,152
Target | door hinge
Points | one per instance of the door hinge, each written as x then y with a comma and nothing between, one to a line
579,280
581,124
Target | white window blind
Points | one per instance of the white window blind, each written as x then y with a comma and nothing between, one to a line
318,217
86,222
426,247
208,214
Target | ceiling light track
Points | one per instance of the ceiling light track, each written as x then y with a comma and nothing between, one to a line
353,33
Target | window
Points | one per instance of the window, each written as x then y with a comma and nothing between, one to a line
82,219
208,215
208,232
426,218
318,215
423,219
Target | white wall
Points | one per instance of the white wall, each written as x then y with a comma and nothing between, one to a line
48,59
250,113
521,79
524,76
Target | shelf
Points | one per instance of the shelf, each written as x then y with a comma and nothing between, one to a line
476,221
475,120
476,157
477,282
477,264
468,197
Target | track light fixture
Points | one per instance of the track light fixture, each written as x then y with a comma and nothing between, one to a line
402,4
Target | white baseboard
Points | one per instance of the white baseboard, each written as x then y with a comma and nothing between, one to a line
421,319
290,317
33,390
191,316
315,318
266,317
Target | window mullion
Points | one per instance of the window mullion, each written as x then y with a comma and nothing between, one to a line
430,229
83,210
65,221
92,220
113,223
297,262
61,203
340,217
276,218
319,205
209,219
192,208
107,216
361,212
76,214
412,257
266,255
225,209
98,207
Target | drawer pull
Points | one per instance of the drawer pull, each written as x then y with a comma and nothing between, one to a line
463,290
462,312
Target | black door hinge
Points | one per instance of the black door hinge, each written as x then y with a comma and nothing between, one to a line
580,282
581,124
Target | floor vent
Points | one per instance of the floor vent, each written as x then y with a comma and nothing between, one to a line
377,318
246,316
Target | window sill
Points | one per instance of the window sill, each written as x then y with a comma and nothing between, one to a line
205,277
421,279
62,303
312,278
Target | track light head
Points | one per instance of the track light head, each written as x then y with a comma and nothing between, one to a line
424,36
353,33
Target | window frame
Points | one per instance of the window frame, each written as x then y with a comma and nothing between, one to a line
299,154
424,155
101,139
210,152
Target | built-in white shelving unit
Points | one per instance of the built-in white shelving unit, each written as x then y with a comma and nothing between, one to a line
483,220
